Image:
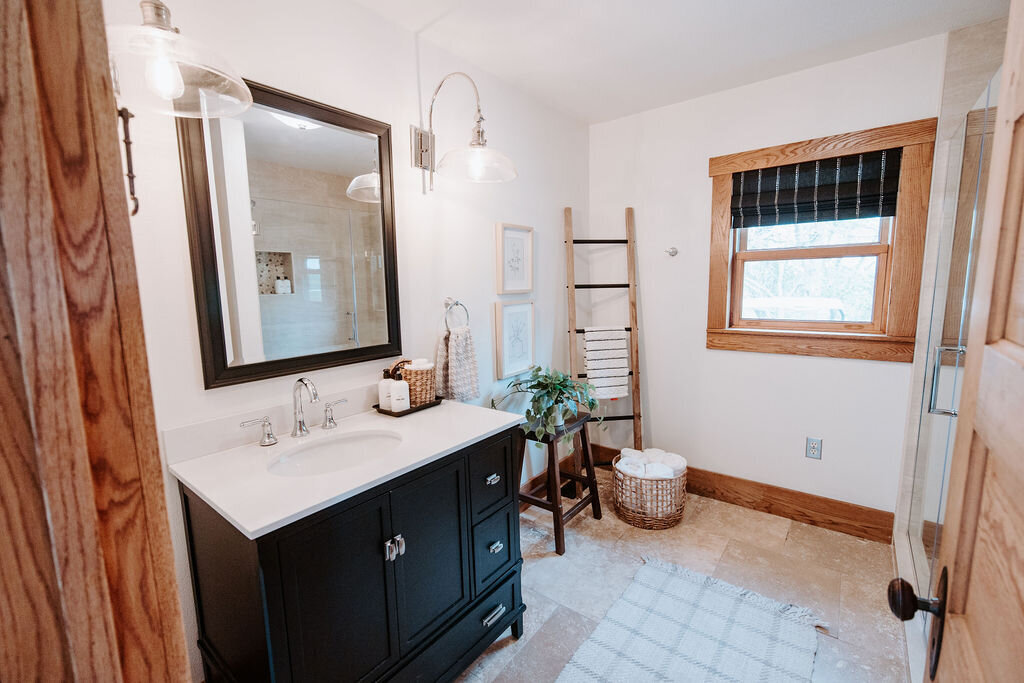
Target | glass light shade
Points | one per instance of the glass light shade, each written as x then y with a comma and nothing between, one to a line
478,164
162,71
365,188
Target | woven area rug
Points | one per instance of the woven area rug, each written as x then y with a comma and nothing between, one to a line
673,624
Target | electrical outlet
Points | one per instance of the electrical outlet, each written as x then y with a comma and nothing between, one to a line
813,448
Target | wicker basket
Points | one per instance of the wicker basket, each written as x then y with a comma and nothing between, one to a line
421,382
648,503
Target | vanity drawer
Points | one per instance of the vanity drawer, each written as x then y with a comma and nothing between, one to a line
486,619
490,477
494,546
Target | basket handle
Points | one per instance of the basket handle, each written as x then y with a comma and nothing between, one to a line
396,365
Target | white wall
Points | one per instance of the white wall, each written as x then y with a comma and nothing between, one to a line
348,57
737,413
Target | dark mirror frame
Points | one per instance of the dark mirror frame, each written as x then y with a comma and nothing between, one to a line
198,215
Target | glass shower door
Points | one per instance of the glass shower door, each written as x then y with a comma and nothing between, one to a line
959,230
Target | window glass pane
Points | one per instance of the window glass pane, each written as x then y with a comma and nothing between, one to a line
822,289
823,233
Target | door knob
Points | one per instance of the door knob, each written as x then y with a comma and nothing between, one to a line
904,603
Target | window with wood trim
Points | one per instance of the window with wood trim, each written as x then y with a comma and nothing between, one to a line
816,246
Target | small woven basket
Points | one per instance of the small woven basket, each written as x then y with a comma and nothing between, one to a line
421,382
648,503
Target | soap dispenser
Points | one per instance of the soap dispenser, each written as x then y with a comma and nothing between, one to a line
384,391
399,394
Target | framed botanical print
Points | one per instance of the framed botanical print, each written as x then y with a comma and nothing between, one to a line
515,258
513,337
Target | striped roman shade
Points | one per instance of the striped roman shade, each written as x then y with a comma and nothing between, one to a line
854,186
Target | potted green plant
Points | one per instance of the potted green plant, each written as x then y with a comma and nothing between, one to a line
555,397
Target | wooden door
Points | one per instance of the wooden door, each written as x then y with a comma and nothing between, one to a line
433,574
87,583
339,596
983,549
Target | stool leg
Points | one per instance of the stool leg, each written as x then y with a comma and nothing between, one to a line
588,461
574,487
555,497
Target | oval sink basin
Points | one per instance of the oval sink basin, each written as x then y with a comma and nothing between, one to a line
333,454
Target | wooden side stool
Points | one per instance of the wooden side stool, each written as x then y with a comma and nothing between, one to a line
553,483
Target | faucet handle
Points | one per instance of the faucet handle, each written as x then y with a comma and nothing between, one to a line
268,438
329,422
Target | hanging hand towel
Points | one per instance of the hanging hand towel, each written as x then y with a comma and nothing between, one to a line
605,345
605,355
606,381
456,372
600,333
610,392
608,364
610,372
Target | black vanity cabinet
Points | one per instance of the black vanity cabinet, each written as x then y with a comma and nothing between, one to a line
411,580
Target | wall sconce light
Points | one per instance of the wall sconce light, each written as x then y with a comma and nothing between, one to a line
154,68
476,162
157,69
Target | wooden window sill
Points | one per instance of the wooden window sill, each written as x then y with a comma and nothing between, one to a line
828,344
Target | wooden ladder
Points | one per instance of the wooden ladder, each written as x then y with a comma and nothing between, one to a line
633,329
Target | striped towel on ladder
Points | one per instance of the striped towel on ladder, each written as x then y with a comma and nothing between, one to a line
606,359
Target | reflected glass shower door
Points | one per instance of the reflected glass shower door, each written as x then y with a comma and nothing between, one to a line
959,230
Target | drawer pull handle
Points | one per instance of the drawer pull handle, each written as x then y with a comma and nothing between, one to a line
496,547
390,550
493,479
493,617
401,544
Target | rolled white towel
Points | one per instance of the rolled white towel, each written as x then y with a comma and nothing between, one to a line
630,467
631,453
654,451
630,460
676,462
657,470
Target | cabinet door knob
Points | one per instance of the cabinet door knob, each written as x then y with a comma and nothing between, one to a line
493,617
496,547
390,550
493,479
400,541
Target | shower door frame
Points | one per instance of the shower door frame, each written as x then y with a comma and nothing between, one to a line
973,55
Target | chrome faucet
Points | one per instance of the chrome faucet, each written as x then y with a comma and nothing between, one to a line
300,428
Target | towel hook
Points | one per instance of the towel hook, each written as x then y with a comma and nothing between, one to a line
451,303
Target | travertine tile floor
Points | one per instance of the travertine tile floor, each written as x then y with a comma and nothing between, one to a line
841,577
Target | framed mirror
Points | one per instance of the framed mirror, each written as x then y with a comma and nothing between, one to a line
291,229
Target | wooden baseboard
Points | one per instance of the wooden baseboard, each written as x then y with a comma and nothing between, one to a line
930,532
837,515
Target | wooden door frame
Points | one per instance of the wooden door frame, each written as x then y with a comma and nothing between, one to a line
86,556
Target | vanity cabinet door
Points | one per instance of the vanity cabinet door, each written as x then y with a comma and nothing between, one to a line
430,514
339,596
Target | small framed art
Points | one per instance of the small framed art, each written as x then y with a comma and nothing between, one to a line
513,337
515,258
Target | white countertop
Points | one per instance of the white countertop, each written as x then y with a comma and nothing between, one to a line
238,485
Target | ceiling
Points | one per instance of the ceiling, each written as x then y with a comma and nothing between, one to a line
602,59
327,149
